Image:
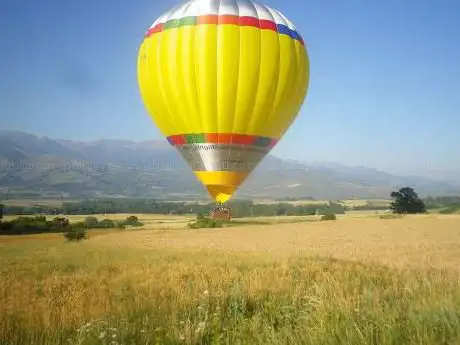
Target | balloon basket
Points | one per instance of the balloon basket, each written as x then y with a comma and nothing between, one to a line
221,213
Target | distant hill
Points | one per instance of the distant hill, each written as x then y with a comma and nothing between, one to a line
32,166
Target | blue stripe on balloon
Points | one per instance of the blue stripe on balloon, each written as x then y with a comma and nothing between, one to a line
285,30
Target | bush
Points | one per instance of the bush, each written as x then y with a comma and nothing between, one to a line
132,221
329,216
120,225
79,225
76,235
91,222
450,210
203,222
107,224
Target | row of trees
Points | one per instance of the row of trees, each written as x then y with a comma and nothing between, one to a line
40,224
405,200
239,208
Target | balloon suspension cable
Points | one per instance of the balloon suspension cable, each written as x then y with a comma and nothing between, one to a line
219,205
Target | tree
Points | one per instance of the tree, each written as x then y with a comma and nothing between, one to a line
132,221
91,222
406,200
60,223
1,211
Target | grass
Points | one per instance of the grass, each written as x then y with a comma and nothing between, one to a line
352,281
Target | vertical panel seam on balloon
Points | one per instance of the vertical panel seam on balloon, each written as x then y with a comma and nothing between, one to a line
278,108
160,71
209,21
160,76
303,81
150,81
236,91
256,93
266,117
185,59
178,75
217,69
196,49
175,91
278,78
293,81
260,64
180,71
305,76
298,86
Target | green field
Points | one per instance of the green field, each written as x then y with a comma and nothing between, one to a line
358,280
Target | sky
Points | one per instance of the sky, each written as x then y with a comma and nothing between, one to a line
384,82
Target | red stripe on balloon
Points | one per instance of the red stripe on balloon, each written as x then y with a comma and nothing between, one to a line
157,28
268,25
177,140
249,21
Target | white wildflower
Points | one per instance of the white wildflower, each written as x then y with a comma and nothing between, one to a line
201,327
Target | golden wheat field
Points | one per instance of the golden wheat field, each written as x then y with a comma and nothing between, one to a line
357,280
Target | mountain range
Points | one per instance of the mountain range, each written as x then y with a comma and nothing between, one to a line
34,166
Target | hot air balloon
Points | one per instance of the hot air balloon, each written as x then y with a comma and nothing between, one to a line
223,80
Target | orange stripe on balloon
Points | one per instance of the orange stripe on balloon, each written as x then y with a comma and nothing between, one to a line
229,19
210,19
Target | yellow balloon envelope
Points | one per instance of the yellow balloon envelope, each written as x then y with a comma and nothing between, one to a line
223,80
